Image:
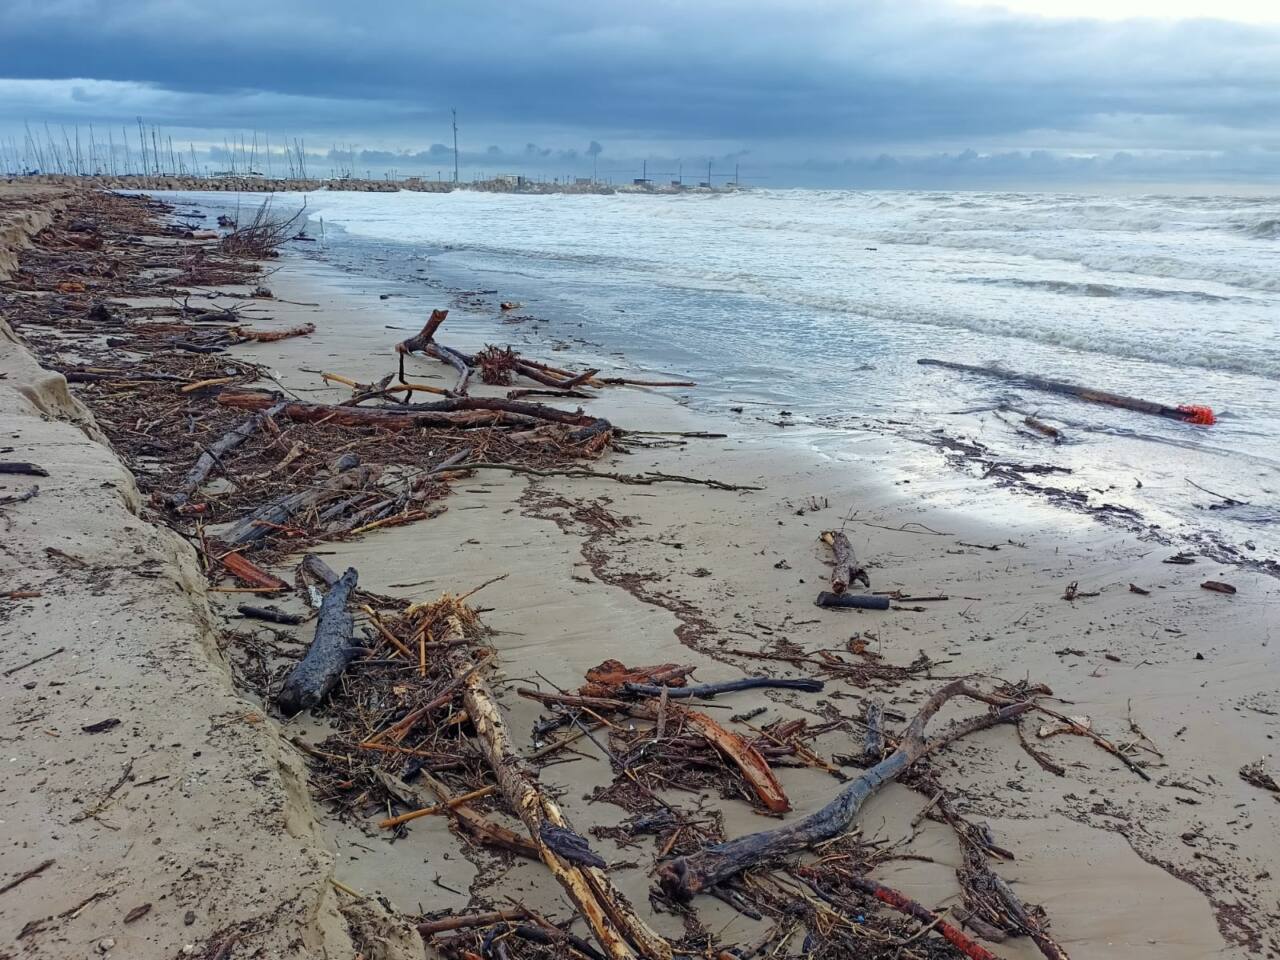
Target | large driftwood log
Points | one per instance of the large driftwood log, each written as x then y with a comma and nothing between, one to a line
330,652
1186,413
210,457
266,518
451,412
846,571
401,417
621,934
685,877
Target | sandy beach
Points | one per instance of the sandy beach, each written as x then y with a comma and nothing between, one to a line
159,804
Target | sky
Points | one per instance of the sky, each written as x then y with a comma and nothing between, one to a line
790,92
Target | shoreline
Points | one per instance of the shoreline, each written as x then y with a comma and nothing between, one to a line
697,573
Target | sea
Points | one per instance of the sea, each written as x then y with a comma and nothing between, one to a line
809,309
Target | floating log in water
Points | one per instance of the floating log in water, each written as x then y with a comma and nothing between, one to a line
1188,413
330,652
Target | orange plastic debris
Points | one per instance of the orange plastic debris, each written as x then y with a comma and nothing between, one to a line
1198,414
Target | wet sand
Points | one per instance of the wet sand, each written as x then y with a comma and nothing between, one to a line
1179,867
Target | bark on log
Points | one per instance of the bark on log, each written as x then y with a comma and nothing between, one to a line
846,571
211,456
620,933
685,877
706,691
1187,414
852,601
330,652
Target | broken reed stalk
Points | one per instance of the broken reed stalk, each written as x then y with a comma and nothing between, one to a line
392,822
685,877
621,934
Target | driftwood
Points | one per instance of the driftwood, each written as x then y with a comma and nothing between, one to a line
685,877
639,479
244,570
852,601
330,652
755,770
903,904
270,614
313,565
214,454
22,467
706,691
271,336
745,757
846,571
1185,413
449,413
420,342
262,521
456,360
621,934
873,743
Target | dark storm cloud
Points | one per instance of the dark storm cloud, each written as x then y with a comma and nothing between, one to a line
838,76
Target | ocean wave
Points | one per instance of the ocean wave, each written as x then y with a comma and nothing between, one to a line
1103,259
1088,289
1264,229
1173,352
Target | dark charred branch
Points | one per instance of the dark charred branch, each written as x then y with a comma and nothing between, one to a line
685,877
330,652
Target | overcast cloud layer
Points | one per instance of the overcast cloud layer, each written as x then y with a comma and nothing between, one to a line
816,91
